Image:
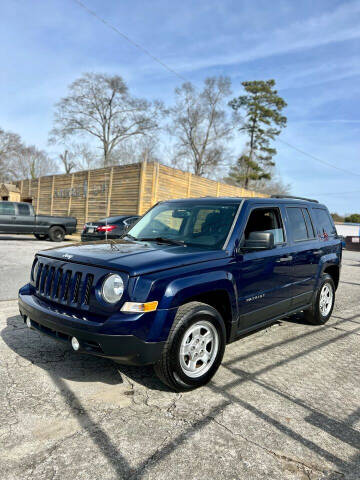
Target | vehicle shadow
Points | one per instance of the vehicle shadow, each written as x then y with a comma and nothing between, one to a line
59,360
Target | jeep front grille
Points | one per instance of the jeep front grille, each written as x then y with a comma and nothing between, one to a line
64,284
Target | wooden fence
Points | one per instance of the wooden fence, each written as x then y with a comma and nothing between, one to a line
125,189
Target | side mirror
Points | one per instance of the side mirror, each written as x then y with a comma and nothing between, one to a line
259,241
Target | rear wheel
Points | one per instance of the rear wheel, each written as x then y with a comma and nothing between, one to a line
41,236
56,234
323,304
194,349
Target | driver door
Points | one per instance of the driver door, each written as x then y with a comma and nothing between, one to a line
263,277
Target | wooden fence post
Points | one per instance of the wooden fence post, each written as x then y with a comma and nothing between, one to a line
52,195
109,192
188,185
87,196
155,183
38,196
70,194
217,189
141,187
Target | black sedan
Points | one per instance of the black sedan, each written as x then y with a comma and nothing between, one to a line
108,228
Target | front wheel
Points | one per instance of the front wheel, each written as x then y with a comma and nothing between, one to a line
323,303
56,234
194,349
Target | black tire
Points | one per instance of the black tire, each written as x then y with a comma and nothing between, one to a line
314,314
41,236
56,234
168,368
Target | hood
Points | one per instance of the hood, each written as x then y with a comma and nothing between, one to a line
135,258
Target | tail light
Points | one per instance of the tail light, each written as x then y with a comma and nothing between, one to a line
106,228
84,227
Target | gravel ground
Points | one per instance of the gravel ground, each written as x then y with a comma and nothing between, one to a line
284,405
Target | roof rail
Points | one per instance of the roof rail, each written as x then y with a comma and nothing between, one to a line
294,198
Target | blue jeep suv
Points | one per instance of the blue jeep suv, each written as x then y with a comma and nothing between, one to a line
191,276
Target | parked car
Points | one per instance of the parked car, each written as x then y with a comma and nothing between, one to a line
19,217
190,276
108,228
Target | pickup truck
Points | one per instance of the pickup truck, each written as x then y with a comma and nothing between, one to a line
19,217
189,277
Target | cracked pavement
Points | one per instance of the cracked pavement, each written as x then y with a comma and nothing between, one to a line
284,405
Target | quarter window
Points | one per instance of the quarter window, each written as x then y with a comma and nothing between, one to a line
7,208
323,221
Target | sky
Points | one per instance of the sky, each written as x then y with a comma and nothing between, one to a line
311,49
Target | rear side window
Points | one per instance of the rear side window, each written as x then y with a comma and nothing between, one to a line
23,209
7,208
299,230
323,222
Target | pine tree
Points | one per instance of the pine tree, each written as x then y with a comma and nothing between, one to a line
261,108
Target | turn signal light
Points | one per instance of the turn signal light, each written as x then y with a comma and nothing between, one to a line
133,307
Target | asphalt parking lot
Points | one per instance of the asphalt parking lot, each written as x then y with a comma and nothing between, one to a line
16,256
284,405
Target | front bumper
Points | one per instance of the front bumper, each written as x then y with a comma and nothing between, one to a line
126,349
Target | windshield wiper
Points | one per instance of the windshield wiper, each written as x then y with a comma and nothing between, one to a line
170,241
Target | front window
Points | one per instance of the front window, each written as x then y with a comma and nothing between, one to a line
265,220
205,225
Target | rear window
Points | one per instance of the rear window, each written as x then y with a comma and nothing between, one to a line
323,221
7,208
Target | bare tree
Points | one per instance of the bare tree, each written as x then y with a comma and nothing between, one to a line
101,106
78,156
10,146
67,159
201,125
30,162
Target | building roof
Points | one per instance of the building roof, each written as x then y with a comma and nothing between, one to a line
10,187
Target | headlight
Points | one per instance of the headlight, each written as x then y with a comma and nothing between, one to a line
112,288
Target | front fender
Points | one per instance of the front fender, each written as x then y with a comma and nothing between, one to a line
180,290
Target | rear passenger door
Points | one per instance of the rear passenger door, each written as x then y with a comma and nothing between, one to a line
306,253
7,217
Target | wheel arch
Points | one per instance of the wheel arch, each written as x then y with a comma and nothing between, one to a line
216,289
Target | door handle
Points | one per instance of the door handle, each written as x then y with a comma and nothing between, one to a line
13,218
284,259
317,252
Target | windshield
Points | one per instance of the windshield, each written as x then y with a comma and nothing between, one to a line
205,225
